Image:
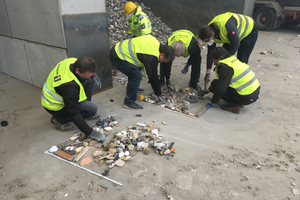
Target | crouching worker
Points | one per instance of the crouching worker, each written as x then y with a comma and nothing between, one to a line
236,83
67,94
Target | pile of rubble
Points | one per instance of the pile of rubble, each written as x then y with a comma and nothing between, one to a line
118,25
123,145
177,99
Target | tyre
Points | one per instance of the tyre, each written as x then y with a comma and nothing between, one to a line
265,18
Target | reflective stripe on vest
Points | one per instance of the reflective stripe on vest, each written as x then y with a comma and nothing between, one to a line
241,35
246,84
52,94
136,62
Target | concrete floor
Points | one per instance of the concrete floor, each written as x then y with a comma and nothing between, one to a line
208,148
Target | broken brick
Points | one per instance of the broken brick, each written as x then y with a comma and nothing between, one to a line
85,161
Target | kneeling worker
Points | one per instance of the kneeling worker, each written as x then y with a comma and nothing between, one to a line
130,55
67,94
236,83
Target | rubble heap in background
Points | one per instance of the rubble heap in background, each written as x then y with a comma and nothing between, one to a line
124,144
118,25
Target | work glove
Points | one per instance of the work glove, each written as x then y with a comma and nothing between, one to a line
207,78
160,99
209,104
185,69
129,36
202,93
97,136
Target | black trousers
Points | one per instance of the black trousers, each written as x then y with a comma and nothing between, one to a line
246,45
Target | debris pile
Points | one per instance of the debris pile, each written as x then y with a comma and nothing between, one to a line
118,25
176,99
123,145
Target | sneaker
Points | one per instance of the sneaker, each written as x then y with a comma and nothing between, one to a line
61,127
195,87
140,90
132,106
96,116
232,108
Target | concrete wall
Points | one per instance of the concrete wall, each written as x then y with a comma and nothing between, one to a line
191,14
86,29
36,34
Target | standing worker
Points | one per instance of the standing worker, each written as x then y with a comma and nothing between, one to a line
184,44
236,83
67,94
238,33
144,51
139,23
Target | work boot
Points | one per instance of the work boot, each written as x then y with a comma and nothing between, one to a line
132,106
195,87
232,108
168,83
96,116
140,90
61,127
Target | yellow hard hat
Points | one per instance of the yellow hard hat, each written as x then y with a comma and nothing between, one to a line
129,7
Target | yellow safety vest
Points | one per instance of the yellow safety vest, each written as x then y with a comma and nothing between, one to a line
243,79
244,26
127,50
59,75
139,23
184,36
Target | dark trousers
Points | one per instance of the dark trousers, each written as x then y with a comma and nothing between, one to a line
246,45
134,77
87,108
165,70
231,95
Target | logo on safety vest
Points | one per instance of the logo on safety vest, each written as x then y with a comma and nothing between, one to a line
57,78
233,32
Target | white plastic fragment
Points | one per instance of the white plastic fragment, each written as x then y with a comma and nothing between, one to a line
53,149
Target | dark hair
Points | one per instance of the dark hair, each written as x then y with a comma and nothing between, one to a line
85,64
219,53
205,31
168,51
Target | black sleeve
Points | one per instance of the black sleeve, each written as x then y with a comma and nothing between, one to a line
194,51
151,64
209,61
70,93
225,74
233,35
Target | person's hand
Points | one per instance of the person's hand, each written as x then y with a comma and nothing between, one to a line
185,69
160,99
97,136
202,93
129,36
207,78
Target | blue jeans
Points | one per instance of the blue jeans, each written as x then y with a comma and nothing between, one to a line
134,77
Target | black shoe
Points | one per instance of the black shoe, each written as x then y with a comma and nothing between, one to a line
132,106
140,90
195,87
61,127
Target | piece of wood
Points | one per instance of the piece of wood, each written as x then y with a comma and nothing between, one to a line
81,153
64,155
